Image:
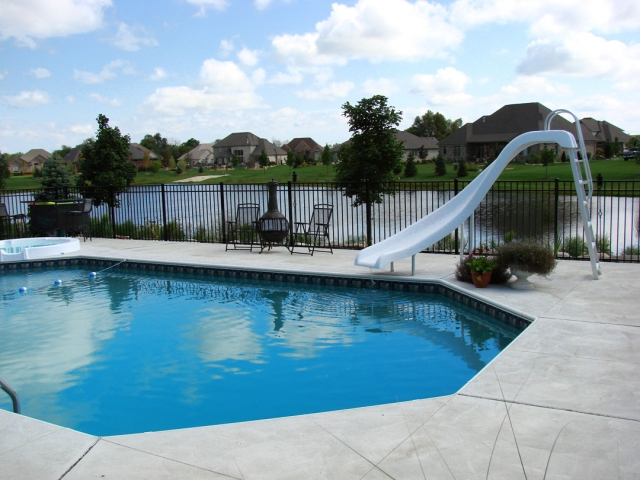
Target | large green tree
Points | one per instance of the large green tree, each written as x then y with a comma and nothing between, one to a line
327,157
4,171
434,125
106,163
55,174
373,152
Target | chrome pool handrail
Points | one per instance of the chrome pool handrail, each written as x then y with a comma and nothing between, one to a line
12,393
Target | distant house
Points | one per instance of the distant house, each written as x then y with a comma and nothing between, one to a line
73,157
410,142
606,132
247,147
29,161
414,144
200,156
485,138
137,153
306,146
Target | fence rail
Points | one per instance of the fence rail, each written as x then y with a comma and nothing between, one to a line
546,211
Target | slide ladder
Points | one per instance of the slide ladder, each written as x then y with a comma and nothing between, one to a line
439,223
584,188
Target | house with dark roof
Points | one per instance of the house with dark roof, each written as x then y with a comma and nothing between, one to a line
606,132
73,157
485,138
306,146
247,147
28,162
411,143
137,153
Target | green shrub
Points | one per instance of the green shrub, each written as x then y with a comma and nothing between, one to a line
509,236
500,273
173,231
529,256
603,244
441,166
204,234
462,169
150,230
632,250
575,246
127,229
101,227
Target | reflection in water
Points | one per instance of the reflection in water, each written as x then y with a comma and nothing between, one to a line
181,352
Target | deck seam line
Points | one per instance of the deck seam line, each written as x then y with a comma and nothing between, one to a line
604,415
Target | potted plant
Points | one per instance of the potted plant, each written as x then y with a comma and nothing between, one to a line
481,268
526,259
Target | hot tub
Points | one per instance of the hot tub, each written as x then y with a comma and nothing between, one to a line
39,247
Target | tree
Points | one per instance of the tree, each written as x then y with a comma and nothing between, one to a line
55,174
146,160
422,153
62,151
106,163
155,166
4,171
181,167
291,158
263,159
171,162
410,169
608,150
462,168
327,157
373,152
441,166
235,160
547,156
434,125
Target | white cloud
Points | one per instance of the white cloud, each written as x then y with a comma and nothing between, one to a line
551,16
535,86
262,4
26,99
107,72
204,4
222,86
226,47
374,30
158,74
71,99
248,57
40,72
3,74
445,87
334,91
293,77
382,86
114,102
132,38
85,129
30,20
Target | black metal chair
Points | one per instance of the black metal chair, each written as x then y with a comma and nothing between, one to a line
79,219
10,224
243,232
309,234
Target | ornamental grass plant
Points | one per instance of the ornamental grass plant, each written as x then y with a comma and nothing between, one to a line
528,256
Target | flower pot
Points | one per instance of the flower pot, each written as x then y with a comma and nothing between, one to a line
522,282
480,280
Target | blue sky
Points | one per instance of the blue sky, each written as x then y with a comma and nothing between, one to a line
282,68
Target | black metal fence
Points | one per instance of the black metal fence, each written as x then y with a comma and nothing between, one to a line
546,211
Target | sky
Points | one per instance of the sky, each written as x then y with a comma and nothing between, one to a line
282,69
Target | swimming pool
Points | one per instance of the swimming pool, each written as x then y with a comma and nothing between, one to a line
130,352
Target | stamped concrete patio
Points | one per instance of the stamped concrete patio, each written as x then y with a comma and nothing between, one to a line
562,401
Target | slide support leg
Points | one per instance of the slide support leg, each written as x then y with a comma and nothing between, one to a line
413,265
392,270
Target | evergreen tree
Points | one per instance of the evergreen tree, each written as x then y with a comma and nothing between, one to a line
291,158
55,174
373,152
410,169
462,168
441,166
327,157
547,156
106,163
235,161
4,171
263,159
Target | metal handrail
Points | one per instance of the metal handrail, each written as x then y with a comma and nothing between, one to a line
12,393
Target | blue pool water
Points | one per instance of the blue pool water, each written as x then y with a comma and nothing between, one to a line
132,352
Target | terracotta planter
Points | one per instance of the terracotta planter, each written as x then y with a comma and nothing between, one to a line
480,280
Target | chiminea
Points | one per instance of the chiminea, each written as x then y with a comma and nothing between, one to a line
273,227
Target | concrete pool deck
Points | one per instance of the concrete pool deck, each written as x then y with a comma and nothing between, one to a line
562,401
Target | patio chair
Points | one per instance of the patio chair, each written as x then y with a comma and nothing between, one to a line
309,234
19,222
242,233
79,218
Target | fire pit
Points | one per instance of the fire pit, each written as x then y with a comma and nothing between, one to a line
272,227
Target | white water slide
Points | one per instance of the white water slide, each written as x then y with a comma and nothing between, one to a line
440,223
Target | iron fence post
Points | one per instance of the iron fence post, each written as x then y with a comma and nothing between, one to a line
368,212
165,232
112,210
556,195
223,214
457,238
291,216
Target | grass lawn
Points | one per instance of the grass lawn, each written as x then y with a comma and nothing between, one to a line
610,170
